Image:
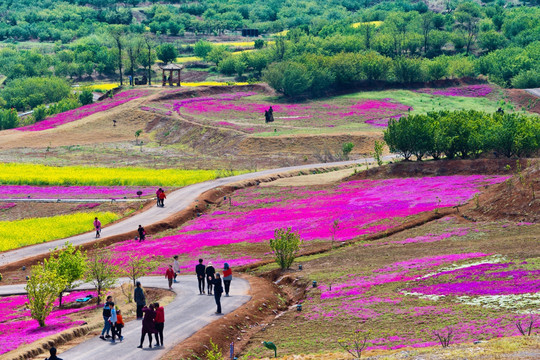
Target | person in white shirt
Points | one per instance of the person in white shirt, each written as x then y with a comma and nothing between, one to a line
176,267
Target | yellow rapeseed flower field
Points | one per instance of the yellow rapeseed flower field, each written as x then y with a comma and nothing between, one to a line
16,234
374,23
188,59
212,83
103,87
31,174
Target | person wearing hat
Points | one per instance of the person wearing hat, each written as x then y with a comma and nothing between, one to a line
210,276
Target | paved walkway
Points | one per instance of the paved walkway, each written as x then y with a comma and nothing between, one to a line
535,92
175,202
185,315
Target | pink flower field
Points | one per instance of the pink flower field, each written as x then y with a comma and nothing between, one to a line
84,111
18,328
390,296
73,192
465,91
242,111
361,207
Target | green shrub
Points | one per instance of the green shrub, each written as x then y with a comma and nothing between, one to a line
526,79
285,245
40,113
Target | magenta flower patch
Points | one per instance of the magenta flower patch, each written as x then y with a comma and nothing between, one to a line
84,111
361,207
73,192
6,206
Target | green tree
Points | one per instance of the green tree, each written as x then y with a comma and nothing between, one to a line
43,287
202,48
407,70
217,54
86,97
346,149
491,40
69,262
167,53
285,245
289,78
40,113
8,119
118,35
101,272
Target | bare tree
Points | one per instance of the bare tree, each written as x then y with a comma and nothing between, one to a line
117,33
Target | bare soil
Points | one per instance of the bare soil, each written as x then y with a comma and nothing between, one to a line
524,100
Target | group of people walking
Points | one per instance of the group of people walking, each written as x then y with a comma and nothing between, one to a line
213,280
113,321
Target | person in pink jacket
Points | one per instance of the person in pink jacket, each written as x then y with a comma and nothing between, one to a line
97,226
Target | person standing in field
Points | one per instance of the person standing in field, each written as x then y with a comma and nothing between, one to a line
227,278
176,267
169,274
142,233
200,270
218,290
140,299
148,326
97,226
210,274
159,323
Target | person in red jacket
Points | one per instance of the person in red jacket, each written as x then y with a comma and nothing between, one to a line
169,274
159,323
162,198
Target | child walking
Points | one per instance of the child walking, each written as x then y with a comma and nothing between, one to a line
97,226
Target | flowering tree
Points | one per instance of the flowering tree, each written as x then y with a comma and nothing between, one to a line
43,287
285,245
101,272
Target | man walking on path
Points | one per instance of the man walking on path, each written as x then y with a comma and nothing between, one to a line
210,271
106,316
97,226
159,322
53,356
176,267
169,274
140,299
142,233
200,270
218,290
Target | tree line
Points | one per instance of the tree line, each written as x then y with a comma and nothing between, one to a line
464,134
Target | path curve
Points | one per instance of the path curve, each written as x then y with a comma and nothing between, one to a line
185,315
175,202
535,92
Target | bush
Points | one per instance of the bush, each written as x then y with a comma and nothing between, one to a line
8,119
285,245
39,113
289,78
526,79
86,97
34,91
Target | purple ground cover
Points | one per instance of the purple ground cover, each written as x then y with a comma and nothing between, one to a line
17,328
361,207
86,110
465,91
72,192
241,112
6,206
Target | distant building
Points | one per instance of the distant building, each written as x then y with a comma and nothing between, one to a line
250,32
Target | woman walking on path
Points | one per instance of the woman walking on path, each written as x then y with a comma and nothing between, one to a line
210,271
169,275
218,290
142,233
158,192
227,277
140,299
162,198
159,323
176,267
200,270
97,226
148,325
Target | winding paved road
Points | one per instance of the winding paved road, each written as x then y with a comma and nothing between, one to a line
185,315
175,202
535,92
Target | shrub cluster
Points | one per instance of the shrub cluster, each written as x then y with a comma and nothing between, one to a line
463,133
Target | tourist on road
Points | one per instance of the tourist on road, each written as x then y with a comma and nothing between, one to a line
148,326
162,198
114,320
159,323
106,316
140,299
218,290
158,192
227,277
142,233
119,324
169,275
176,267
210,273
200,270
53,356
97,226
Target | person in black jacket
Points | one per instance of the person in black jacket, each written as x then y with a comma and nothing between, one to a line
53,356
200,270
210,273
218,290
